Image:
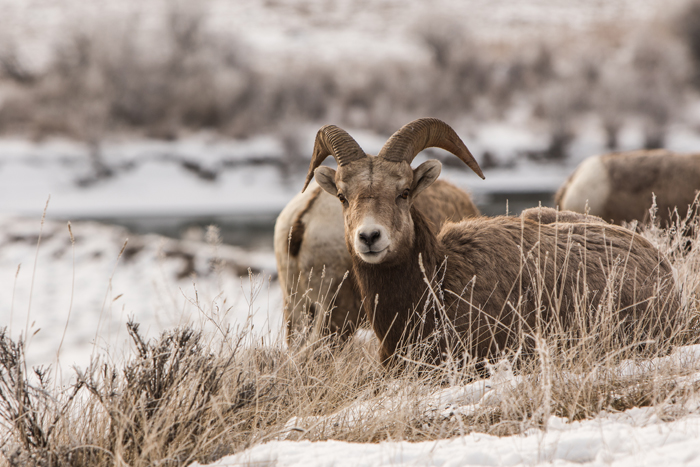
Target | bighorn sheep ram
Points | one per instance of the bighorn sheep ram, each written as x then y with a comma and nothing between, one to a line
496,276
314,256
619,187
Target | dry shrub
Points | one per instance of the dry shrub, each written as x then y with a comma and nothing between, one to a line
176,401
680,242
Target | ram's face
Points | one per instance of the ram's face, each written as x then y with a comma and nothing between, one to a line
376,196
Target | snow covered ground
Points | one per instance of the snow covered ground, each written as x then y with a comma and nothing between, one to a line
634,438
89,291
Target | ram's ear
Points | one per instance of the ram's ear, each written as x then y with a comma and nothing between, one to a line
325,177
424,175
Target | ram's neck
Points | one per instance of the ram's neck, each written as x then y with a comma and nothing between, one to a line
393,292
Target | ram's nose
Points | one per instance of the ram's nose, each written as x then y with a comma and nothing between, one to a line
372,242
369,236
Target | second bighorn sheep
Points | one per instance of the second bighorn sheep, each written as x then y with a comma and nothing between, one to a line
497,277
620,187
314,257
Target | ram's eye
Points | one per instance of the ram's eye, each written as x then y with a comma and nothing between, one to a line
405,193
341,197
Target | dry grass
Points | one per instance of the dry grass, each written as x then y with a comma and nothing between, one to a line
188,396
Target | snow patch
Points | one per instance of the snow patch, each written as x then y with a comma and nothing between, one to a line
634,438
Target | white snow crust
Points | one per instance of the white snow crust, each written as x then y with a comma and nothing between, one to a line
634,438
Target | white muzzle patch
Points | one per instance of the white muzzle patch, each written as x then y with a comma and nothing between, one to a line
371,241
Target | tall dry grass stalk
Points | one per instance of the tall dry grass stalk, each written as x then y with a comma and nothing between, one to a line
187,396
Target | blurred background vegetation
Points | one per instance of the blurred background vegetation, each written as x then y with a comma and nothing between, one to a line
162,75
532,87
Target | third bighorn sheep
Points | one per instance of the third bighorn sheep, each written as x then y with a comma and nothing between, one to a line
620,187
498,278
314,257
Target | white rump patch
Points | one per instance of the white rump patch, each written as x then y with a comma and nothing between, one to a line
590,184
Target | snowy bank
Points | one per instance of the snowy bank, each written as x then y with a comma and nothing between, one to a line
92,288
637,437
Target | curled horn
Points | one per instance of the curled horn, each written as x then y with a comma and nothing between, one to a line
424,133
336,142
